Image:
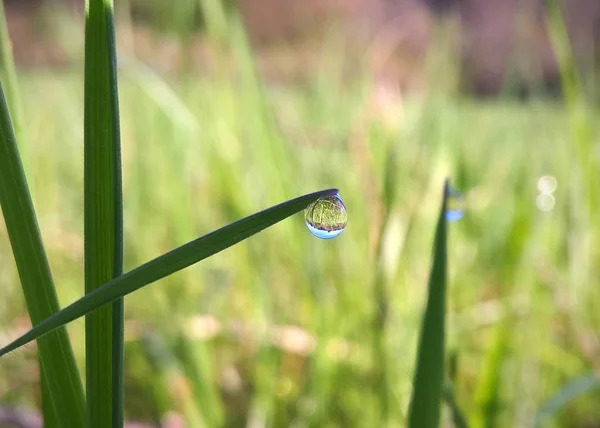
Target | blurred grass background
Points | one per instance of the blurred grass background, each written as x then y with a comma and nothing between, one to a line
278,331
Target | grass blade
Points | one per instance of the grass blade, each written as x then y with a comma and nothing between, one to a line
488,392
103,217
428,384
49,415
572,390
169,263
16,112
458,417
194,358
12,86
55,351
381,295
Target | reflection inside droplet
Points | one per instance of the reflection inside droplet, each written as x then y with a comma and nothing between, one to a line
454,205
326,218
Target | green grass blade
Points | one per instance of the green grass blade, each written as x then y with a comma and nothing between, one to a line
12,85
49,415
488,392
16,112
214,15
55,351
458,417
576,100
194,358
571,391
428,383
169,263
381,295
103,217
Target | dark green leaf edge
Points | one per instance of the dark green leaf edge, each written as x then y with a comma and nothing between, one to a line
428,384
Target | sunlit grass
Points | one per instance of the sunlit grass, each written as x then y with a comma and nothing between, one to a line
507,260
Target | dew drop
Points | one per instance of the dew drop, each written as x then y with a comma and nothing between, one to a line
326,218
455,205
547,184
545,202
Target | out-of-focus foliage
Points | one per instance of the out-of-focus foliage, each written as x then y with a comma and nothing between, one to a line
279,330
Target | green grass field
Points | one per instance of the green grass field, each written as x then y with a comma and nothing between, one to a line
278,331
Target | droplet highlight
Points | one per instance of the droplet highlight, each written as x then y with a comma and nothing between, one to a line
547,184
545,200
327,217
455,205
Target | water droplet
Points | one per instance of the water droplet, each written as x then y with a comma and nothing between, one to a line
545,202
547,184
455,205
326,218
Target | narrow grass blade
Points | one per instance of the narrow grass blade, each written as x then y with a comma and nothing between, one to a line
488,391
10,73
169,263
381,295
576,100
214,15
559,37
571,391
55,351
103,225
16,112
458,417
428,383
194,358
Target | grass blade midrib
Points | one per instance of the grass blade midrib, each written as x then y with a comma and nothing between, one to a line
103,217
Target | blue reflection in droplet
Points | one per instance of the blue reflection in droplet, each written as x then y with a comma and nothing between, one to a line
324,234
454,205
454,215
327,217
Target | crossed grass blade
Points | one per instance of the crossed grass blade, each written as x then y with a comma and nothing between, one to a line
169,263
